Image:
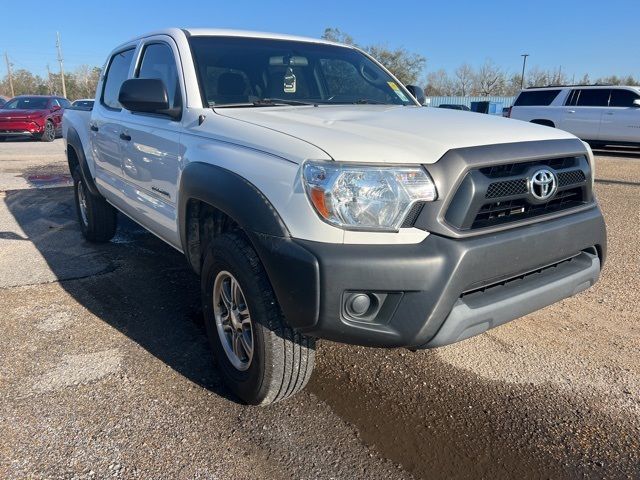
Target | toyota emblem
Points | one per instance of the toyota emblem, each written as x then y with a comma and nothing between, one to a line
544,184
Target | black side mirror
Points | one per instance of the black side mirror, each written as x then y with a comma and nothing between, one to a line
417,92
146,95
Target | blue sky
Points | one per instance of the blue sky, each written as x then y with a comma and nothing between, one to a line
598,38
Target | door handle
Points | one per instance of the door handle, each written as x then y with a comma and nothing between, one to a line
609,113
125,137
94,128
571,111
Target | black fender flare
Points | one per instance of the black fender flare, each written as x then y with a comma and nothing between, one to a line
231,194
73,141
285,261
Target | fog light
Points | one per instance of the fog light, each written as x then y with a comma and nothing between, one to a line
358,304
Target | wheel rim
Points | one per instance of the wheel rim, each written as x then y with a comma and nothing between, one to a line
233,320
82,203
49,130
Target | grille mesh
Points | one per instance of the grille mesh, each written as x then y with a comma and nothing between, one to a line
413,215
571,178
507,188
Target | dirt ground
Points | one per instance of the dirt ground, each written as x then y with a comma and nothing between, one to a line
105,370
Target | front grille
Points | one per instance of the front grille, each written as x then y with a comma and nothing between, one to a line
507,189
513,169
502,212
571,178
500,194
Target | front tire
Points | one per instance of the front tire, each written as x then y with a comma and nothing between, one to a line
261,359
98,220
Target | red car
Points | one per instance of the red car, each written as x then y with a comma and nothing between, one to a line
37,116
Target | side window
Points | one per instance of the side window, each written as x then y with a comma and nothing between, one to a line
622,98
64,103
158,62
536,98
54,103
594,97
572,99
117,73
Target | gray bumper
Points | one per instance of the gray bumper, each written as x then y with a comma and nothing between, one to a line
478,312
439,291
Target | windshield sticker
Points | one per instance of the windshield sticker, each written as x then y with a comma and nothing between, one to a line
289,81
397,91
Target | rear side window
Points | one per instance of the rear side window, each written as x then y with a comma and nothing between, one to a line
158,62
117,73
622,98
593,97
536,98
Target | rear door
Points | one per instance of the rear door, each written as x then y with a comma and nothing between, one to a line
621,120
583,112
151,144
106,120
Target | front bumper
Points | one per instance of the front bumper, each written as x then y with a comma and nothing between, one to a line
439,291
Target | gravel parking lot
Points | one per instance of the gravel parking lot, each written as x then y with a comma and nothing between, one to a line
105,370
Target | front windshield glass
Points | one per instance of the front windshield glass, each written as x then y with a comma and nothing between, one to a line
262,72
27,103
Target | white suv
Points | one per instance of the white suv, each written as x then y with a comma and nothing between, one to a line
600,115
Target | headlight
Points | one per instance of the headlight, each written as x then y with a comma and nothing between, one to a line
365,197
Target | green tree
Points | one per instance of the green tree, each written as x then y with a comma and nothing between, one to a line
406,66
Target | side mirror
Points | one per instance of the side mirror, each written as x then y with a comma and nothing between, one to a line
636,103
146,95
418,93
55,108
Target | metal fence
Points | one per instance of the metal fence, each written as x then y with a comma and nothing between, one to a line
436,101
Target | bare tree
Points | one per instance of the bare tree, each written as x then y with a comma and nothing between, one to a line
439,84
489,80
464,79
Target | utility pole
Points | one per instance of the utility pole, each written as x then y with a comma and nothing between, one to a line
6,57
524,62
60,61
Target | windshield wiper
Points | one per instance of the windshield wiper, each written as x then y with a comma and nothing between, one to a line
267,102
368,101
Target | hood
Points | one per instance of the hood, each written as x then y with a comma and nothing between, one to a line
21,114
393,134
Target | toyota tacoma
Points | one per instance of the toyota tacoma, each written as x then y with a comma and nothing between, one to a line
316,198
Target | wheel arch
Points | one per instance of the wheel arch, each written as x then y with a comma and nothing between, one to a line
543,121
76,158
229,199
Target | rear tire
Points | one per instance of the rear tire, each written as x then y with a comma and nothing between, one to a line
98,220
273,361
49,134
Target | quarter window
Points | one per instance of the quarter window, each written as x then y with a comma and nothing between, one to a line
622,98
536,98
594,97
158,62
117,73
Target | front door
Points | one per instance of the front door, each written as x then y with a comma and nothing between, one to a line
151,145
583,112
621,121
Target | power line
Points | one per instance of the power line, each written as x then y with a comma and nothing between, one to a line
60,61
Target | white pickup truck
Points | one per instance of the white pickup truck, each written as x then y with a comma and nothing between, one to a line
316,198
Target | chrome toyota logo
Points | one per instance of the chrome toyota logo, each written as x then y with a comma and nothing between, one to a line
543,184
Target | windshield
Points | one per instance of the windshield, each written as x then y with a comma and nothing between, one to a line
27,103
263,72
